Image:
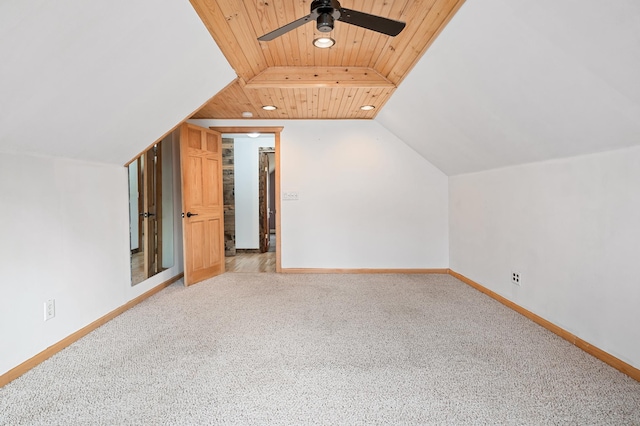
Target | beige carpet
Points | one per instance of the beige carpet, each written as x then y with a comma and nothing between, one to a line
321,349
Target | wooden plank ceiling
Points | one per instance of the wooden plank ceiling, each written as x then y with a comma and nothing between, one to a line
363,67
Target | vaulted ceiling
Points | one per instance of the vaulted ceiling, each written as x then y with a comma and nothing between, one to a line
363,67
506,82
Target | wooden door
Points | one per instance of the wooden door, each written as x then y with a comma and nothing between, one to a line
152,213
202,203
263,178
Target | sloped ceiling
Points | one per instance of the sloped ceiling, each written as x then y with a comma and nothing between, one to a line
100,80
517,81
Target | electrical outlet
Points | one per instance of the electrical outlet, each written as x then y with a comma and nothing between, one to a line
516,278
49,309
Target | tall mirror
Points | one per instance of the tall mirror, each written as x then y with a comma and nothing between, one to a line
151,211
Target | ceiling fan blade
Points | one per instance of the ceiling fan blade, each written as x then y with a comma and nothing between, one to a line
371,22
285,29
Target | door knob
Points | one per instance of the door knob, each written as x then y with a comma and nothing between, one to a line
189,214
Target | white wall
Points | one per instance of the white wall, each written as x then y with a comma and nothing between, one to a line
572,228
65,236
366,200
246,158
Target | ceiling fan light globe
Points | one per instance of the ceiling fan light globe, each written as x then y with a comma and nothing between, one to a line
324,42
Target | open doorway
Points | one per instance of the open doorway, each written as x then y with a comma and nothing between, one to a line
250,186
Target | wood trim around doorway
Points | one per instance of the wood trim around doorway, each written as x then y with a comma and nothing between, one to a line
275,130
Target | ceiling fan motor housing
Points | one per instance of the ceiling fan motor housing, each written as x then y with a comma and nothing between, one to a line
325,12
325,23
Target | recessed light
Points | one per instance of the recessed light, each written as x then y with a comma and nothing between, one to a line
324,42
367,107
247,114
269,107
253,134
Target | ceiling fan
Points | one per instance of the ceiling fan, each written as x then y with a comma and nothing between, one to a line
326,12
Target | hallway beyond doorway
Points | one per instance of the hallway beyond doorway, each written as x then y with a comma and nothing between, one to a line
254,262
251,262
